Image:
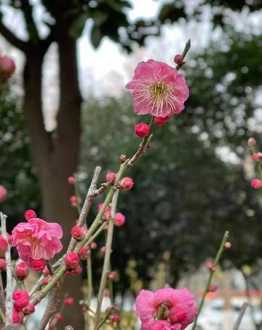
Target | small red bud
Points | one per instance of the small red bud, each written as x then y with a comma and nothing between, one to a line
251,142
142,130
3,192
126,183
29,214
119,219
178,59
256,183
110,177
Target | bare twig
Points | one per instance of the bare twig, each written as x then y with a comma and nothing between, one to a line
87,203
211,274
106,265
240,316
54,303
9,277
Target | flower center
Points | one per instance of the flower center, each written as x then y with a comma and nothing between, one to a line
158,91
162,312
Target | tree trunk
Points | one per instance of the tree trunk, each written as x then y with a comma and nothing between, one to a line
56,155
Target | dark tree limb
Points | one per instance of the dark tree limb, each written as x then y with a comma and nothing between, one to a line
12,38
30,23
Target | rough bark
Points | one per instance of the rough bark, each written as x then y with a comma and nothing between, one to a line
56,155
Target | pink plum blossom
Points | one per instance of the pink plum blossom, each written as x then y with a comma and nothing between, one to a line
166,309
37,239
158,89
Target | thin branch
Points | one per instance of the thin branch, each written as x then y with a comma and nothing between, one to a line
52,307
240,316
9,277
12,38
106,266
87,203
30,23
210,277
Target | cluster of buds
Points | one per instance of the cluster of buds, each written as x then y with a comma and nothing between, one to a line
21,306
256,156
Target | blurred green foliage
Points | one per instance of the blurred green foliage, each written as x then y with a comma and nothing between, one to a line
187,193
16,172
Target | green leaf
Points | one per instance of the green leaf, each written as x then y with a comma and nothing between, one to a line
96,36
78,26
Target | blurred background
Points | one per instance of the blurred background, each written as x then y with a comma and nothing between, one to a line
66,111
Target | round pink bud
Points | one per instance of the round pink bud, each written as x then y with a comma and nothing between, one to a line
21,299
46,271
93,245
59,317
251,142
126,183
103,250
257,156
256,183
69,301
7,67
84,252
161,121
210,265
112,276
74,271
228,245
110,177
38,264
142,130
78,232
178,59
212,288
72,260
30,214
45,281
3,193
2,264
71,179
115,318
119,219
73,200
21,270
17,317
3,244
29,309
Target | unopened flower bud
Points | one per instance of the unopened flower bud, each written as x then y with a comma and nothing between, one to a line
71,179
257,156
112,276
3,244
142,130
29,309
69,301
212,288
126,183
228,245
73,200
21,270
256,183
161,121
179,60
2,264
110,177
84,252
251,142
38,264
119,219
72,260
7,67
29,214
3,193
78,232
